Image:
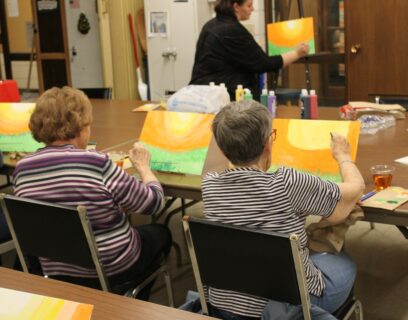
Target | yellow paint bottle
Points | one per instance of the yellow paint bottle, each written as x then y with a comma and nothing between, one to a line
239,93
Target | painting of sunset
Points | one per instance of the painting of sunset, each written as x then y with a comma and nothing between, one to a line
286,35
178,141
305,145
23,305
15,136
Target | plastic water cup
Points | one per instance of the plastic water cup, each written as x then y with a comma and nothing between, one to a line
117,157
382,176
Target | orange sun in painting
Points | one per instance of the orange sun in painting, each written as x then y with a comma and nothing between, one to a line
177,131
14,117
290,33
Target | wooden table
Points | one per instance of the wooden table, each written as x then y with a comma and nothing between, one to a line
106,305
115,127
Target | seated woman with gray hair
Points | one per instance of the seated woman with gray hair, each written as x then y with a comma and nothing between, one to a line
64,172
247,195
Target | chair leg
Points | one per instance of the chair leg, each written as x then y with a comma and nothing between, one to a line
133,293
372,226
169,287
359,310
167,280
178,253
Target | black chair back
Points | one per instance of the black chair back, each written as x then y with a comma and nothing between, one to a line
257,262
246,260
98,93
52,231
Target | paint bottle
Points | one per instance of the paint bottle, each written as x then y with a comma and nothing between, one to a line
222,85
272,103
247,95
264,98
212,84
313,105
303,101
239,93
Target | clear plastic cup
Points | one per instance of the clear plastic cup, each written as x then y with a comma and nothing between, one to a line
117,157
382,176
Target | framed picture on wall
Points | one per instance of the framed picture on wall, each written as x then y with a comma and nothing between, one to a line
158,24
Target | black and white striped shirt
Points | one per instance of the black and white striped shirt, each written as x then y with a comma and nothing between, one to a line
278,201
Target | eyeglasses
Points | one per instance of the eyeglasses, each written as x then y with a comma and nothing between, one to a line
273,134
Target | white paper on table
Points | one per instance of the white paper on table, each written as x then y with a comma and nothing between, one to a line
403,160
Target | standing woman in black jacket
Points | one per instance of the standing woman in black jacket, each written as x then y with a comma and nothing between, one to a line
227,53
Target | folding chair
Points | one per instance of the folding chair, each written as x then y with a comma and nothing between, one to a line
6,247
64,234
256,262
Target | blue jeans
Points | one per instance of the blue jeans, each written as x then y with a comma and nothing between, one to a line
339,272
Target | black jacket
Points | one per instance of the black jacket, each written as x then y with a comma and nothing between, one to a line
226,52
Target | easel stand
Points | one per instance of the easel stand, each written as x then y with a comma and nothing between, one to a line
307,69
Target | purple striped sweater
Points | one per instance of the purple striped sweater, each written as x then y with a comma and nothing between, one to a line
73,177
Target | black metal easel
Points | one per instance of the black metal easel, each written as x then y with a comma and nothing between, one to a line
307,69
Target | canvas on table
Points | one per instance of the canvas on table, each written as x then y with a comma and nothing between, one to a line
178,141
23,305
15,136
305,145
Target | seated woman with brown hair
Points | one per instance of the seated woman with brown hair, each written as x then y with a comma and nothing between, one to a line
64,172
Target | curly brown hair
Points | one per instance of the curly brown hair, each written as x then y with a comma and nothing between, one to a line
60,114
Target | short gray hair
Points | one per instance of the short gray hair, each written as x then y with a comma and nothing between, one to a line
241,130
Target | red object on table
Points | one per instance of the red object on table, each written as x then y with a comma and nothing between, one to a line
9,91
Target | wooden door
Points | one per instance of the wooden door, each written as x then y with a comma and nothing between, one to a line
51,44
376,48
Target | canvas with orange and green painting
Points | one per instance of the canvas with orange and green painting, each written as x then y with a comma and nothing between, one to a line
284,36
178,141
15,136
23,305
305,145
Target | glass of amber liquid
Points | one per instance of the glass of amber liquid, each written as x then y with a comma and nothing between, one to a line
382,176
117,157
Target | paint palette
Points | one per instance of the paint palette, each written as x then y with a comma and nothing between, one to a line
389,199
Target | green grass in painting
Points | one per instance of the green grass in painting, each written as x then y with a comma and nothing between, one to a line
19,143
325,176
190,162
277,50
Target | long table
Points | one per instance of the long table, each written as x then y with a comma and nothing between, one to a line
116,127
106,305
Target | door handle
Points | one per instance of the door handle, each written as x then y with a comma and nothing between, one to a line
355,48
166,54
73,53
173,53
